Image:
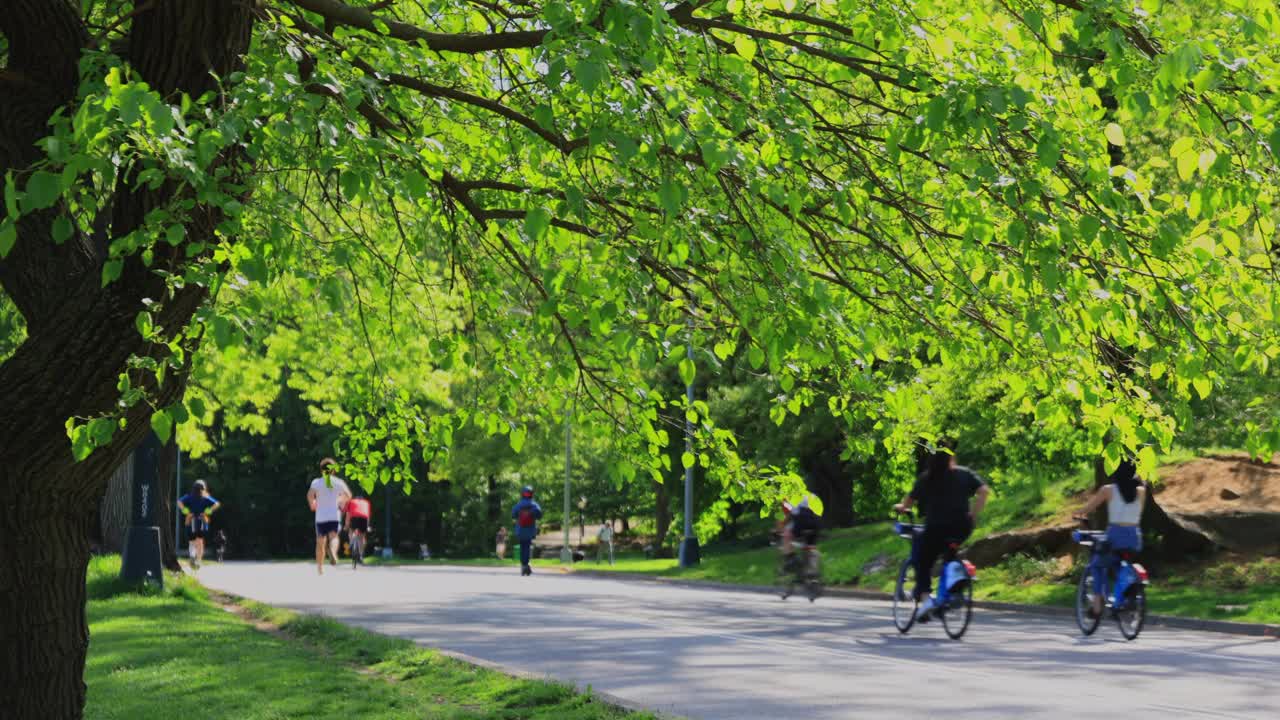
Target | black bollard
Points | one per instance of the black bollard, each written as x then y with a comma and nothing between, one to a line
141,558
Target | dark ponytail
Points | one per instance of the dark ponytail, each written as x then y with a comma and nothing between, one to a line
1126,480
939,466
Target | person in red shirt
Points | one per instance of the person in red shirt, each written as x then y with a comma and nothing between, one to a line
357,526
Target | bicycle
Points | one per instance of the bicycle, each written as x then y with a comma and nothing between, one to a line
1127,599
357,549
953,604
802,567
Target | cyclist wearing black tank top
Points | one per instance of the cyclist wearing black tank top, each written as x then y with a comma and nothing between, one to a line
951,497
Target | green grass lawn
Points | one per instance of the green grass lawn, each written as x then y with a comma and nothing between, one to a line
175,654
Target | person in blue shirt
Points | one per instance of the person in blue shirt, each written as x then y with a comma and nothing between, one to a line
196,507
526,513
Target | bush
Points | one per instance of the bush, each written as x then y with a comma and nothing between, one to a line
1023,568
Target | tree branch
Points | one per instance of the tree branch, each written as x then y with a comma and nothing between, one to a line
469,43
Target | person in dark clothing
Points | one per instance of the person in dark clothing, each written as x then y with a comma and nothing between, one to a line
196,507
220,544
526,513
951,497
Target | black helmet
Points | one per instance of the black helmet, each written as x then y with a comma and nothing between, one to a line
526,491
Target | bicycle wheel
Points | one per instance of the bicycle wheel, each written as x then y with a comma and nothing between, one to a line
959,610
785,580
356,549
1084,602
904,601
1132,613
813,578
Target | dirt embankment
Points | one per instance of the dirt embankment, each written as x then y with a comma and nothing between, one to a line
1232,500
1229,501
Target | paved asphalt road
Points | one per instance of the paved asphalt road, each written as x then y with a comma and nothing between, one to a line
714,654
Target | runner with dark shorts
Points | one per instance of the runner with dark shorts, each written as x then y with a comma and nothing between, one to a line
327,497
196,507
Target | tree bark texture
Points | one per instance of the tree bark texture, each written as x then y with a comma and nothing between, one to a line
80,334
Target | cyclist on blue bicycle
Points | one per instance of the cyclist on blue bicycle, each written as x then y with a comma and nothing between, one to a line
1124,495
951,497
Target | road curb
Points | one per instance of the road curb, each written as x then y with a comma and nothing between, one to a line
603,697
1227,627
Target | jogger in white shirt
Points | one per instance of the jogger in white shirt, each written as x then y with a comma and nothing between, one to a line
327,497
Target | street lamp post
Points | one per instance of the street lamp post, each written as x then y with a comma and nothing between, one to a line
689,551
566,555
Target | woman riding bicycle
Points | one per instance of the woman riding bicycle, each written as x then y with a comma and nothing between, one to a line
943,493
1124,495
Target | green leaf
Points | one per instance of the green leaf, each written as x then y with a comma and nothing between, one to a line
196,407
1274,141
1146,461
1231,242
589,73
670,196
517,438
161,115
536,222
745,46
111,270
174,234
1048,151
936,114
688,371
1115,134
724,349
1203,386
1181,146
8,236
61,229
143,323
687,460
43,190
352,184
1112,454
1187,162
11,196
1089,226
755,356
162,424
416,184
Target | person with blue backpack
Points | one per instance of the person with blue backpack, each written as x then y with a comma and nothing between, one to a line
526,514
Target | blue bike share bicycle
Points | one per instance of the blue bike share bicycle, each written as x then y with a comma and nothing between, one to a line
1123,591
953,604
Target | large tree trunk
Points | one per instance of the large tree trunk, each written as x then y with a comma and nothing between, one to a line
43,576
81,334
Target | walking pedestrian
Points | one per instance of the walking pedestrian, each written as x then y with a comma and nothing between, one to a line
500,542
605,537
220,544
